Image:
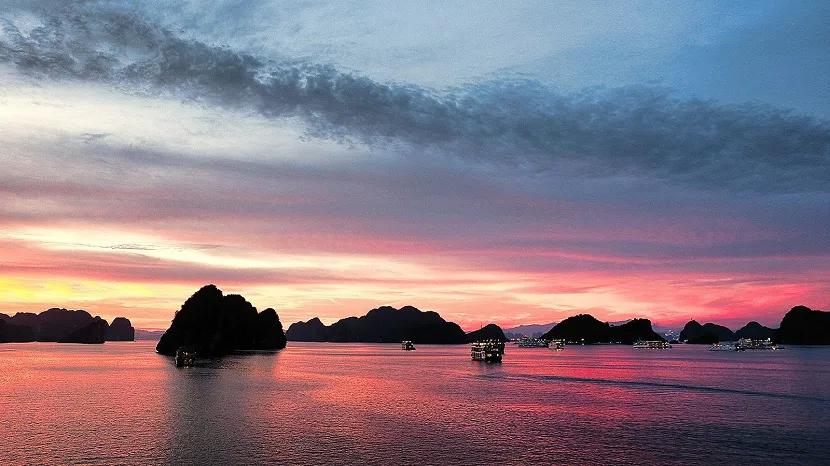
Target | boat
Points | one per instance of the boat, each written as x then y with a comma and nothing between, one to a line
724,347
652,344
487,350
407,345
557,345
530,342
185,356
750,344
746,344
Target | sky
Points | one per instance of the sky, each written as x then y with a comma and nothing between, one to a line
507,162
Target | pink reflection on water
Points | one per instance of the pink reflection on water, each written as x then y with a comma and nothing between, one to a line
361,403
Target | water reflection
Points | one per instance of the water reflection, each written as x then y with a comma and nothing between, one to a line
213,408
376,404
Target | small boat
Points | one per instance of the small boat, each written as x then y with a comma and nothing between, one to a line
651,344
557,345
407,345
185,356
487,350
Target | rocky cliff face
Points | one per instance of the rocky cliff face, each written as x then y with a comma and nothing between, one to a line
217,325
56,324
269,330
636,329
121,330
93,333
53,325
28,319
15,333
804,326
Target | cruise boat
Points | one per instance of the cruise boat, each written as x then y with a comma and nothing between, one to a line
530,342
652,344
750,344
557,345
185,356
488,350
407,345
724,347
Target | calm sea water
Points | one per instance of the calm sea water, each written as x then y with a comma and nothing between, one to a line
317,403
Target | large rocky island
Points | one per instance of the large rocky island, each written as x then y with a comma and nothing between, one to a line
382,325
804,326
215,325
63,326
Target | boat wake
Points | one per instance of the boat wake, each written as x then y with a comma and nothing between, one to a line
658,385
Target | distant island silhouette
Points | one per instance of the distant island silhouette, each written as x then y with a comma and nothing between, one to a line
221,324
63,326
800,326
385,324
120,330
755,331
585,328
313,330
695,333
216,324
488,332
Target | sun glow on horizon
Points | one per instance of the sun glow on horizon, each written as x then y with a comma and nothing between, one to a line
480,178
343,285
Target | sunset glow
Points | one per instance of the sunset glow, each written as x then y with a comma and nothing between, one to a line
507,188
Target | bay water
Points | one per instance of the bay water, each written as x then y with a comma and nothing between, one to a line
334,403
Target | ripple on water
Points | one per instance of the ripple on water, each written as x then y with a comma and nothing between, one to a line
121,403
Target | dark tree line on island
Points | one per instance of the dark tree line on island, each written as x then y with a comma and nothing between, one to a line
63,326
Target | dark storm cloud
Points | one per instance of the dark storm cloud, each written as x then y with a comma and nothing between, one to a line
632,130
